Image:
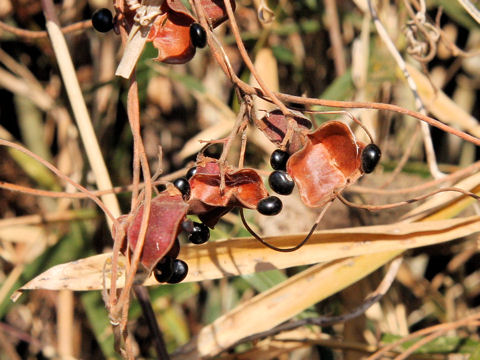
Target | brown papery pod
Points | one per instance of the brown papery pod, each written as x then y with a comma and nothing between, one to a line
167,212
170,35
274,125
243,188
214,9
329,161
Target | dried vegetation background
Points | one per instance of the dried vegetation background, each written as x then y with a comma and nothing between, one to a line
320,49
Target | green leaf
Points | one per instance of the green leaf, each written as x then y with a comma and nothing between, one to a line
283,54
265,280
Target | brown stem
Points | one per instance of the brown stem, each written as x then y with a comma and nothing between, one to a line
30,34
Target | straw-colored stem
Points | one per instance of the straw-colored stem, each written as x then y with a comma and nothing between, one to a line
79,108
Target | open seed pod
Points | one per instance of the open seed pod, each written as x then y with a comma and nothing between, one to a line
329,161
167,212
170,32
243,188
214,9
170,35
274,125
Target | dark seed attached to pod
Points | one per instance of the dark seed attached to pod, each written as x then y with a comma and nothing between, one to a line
198,35
163,271
183,186
278,159
270,205
370,157
180,271
200,233
281,182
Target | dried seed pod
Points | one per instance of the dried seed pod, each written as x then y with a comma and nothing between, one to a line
274,125
167,212
243,188
329,161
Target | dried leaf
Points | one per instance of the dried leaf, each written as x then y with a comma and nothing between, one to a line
246,255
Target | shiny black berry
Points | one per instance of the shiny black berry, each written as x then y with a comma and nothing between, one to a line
183,186
180,271
164,269
278,159
192,171
200,233
102,20
281,182
271,205
198,35
370,157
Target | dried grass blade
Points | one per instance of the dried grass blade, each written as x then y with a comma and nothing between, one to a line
242,256
298,292
441,105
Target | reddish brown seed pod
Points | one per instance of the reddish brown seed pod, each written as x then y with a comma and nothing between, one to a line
243,188
214,9
170,35
329,161
168,210
170,32
274,125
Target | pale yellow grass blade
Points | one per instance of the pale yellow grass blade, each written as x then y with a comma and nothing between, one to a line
246,255
441,105
280,303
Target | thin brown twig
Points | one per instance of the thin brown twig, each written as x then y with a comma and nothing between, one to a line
31,35
449,178
453,325
406,202
228,144
403,160
62,176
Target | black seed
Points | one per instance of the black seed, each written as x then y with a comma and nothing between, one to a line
278,159
163,271
180,271
281,182
200,233
198,35
183,186
192,171
102,20
270,205
370,157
